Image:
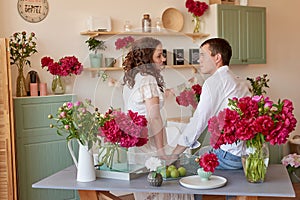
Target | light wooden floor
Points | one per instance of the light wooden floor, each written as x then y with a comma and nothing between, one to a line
215,197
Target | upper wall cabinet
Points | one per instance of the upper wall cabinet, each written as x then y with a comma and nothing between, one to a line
245,29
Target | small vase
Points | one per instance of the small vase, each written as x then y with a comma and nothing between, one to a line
196,21
96,60
155,179
20,87
205,176
255,160
58,86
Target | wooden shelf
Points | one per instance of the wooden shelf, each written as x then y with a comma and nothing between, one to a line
121,69
191,35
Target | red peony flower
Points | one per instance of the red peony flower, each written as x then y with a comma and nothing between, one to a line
248,117
125,130
65,66
209,162
197,8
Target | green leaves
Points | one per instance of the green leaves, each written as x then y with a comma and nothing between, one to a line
95,44
258,84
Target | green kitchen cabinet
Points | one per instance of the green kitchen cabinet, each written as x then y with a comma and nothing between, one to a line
245,29
40,151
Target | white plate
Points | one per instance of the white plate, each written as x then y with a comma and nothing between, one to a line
194,182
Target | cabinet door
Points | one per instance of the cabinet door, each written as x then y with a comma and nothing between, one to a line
229,27
255,35
40,151
244,28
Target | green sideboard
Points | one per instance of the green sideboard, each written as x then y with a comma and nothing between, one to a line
40,151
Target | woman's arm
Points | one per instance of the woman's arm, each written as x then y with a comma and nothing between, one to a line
155,123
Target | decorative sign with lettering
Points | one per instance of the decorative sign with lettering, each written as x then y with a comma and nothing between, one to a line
33,10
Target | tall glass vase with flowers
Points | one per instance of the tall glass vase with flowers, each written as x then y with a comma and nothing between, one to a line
197,9
80,121
64,67
21,48
254,121
120,131
124,44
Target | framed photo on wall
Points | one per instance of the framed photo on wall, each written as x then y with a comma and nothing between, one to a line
194,56
178,56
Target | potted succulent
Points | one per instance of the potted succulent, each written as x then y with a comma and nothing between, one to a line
95,45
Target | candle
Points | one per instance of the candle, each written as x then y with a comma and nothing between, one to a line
43,89
33,89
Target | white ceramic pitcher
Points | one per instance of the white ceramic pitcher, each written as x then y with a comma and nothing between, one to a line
85,165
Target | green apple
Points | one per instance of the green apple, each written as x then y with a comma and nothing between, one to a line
171,167
168,173
174,173
182,171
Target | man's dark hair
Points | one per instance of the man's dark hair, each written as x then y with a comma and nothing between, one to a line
221,46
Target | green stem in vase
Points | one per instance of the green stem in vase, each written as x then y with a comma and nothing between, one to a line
255,167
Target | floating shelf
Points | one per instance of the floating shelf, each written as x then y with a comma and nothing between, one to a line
191,35
121,69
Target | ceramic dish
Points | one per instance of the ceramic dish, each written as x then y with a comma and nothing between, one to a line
194,182
172,19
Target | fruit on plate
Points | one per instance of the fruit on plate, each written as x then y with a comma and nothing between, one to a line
174,173
182,171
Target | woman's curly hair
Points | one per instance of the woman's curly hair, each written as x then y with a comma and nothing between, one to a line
140,60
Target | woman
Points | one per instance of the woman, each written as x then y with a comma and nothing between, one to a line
143,93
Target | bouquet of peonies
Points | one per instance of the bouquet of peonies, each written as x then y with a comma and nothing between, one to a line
124,43
208,161
291,161
190,96
65,66
197,8
119,129
79,123
254,120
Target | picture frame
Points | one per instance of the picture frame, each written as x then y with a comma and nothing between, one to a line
194,57
178,56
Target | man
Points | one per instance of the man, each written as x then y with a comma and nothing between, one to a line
222,84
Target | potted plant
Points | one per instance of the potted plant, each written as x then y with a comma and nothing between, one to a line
95,45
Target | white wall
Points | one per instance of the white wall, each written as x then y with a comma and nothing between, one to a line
59,35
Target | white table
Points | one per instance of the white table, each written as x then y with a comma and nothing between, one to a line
277,184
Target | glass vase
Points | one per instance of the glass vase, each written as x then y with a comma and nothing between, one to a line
20,87
58,86
112,157
196,21
255,160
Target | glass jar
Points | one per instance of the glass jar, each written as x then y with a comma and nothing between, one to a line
146,23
